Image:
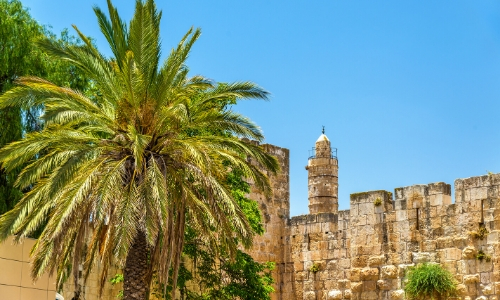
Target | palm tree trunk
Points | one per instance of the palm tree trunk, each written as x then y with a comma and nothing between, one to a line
135,283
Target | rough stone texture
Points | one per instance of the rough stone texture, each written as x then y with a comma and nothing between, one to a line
363,252
334,295
274,244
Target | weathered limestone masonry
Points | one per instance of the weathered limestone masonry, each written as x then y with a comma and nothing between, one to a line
363,252
274,244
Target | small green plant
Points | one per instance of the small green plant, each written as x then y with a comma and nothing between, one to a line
481,233
429,280
314,268
118,278
483,256
377,201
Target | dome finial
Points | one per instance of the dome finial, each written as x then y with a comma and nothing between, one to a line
323,131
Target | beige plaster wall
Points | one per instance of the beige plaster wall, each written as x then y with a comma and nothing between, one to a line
15,279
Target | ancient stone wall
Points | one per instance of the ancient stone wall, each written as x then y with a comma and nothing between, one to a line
364,252
275,209
319,252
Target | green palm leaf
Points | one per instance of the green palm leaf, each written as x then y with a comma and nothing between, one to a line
127,170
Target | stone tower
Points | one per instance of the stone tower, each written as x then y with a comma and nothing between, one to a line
323,178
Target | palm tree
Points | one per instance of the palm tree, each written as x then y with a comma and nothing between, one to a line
114,177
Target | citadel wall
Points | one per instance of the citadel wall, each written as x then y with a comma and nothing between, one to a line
273,245
363,252
367,256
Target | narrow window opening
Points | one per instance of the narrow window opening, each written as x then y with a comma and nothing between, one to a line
418,217
482,211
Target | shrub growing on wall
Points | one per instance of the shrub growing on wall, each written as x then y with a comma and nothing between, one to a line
429,281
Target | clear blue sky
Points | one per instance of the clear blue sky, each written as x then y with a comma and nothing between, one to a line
408,90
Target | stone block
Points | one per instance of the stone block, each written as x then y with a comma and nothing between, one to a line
355,274
384,284
369,295
436,222
460,241
310,295
453,254
344,284
356,287
484,266
495,276
372,219
344,263
467,266
309,284
318,285
471,279
389,272
369,285
397,295
347,294
334,295
402,270
493,237
366,208
360,261
428,246
444,242
461,290
421,257
300,276
298,266
376,260
401,215
331,265
477,193
369,274
485,277
488,289
331,284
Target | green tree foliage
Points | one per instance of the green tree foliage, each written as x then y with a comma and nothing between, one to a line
212,273
122,162
17,29
240,188
219,277
429,281
19,57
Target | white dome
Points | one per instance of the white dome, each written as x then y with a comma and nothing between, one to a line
322,137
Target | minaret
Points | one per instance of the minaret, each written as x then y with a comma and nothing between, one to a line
323,178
